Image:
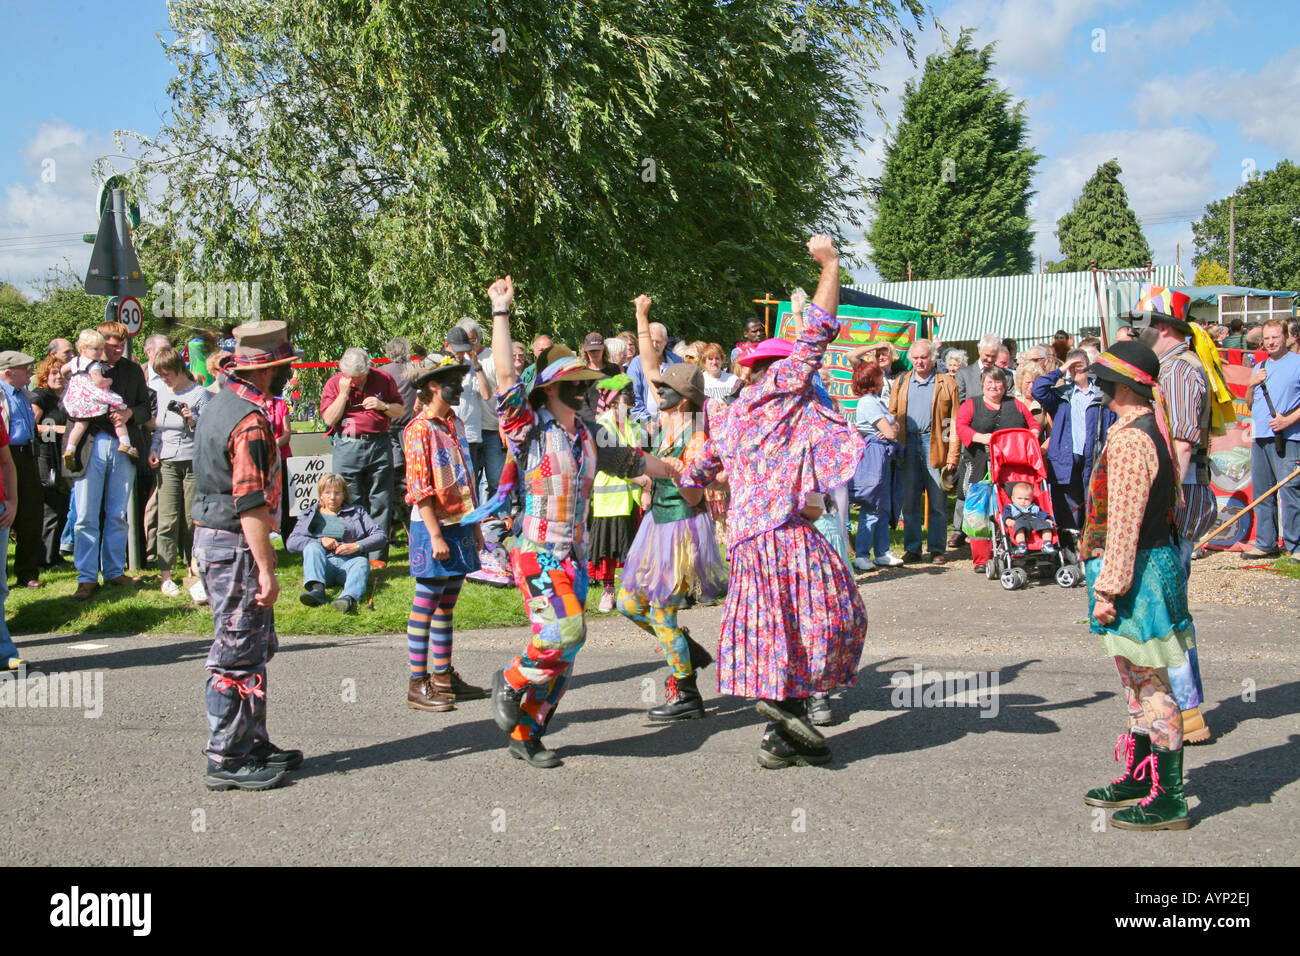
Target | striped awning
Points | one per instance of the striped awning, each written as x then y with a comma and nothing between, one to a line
1028,308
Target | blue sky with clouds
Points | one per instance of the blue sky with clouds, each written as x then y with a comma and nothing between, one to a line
1188,96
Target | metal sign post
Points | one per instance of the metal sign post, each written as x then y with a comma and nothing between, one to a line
115,271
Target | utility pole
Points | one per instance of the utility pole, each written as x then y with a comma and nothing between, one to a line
1232,240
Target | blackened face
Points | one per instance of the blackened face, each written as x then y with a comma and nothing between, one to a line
280,379
1107,391
451,391
573,394
669,397
1149,337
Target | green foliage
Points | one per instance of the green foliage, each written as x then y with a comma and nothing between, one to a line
953,196
60,311
1211,273
1268,230
376,166
1101,227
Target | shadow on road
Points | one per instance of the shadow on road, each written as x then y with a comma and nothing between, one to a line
1224,785
1270,702
922,728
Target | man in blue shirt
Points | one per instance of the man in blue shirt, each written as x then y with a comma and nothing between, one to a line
1280,375
1079,422
646,406
15,374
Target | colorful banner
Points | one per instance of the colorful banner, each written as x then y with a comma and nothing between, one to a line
858,327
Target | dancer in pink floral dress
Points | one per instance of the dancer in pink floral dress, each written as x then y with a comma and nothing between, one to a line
794,623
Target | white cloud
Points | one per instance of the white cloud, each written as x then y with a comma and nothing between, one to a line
1168,176
1032,36
1265,105
1168,31
44,214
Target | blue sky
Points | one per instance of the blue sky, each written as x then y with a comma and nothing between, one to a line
1188,96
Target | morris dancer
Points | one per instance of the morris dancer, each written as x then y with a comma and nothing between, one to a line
1137,592
615,502
794,623
675,551
558,456
236,505
444,544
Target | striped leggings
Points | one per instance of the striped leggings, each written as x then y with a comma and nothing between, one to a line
429,627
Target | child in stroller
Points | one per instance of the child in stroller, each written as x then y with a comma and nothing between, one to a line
1023,500
1023,518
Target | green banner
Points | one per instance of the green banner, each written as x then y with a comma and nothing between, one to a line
858,327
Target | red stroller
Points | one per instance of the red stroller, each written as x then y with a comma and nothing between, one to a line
1015,456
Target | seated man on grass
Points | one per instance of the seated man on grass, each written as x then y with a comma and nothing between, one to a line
334,538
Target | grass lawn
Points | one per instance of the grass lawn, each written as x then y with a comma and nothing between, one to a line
145,610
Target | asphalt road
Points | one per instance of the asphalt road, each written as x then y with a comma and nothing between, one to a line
383,784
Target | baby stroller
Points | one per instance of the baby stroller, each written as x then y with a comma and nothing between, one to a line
1014,456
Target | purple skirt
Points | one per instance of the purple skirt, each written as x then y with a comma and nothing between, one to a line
675,557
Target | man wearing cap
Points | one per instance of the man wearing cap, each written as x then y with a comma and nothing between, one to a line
1274,399
236,506
476,394
20,420
1137,592
554,458
1160,321
594,357
646,406
358,405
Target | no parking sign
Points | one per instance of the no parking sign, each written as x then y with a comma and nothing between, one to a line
304,473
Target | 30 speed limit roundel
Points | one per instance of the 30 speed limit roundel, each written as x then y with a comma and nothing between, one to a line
130,314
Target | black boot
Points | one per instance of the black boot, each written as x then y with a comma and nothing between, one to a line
700,656
681,701
779,749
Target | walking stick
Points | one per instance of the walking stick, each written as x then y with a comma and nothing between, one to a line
1245,511
1278,441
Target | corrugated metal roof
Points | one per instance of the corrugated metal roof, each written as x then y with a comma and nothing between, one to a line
1027,308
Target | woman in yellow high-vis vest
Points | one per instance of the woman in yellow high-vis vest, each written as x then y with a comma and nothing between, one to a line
615,502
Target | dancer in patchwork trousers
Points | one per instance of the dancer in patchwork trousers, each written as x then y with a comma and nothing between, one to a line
554,458
444,546
675,552
236,505
1137,592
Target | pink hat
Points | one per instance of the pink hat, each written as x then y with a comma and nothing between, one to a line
768,348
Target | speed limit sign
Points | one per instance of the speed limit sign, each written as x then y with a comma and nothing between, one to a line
130,314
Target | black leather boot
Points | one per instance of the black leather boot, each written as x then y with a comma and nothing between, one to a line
681,701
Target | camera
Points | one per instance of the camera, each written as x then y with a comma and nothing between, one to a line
177,407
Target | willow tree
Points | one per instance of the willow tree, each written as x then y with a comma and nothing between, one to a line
376,165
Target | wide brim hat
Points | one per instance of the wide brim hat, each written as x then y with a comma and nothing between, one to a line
558,364
768,348
1157,303
1129,363
262,344
687,379
438,366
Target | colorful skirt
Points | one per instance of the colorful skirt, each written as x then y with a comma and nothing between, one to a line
794,623
460,541
1152,626
675,557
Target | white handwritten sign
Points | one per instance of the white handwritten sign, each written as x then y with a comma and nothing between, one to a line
304,475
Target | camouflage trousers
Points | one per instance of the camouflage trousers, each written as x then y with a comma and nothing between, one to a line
243,641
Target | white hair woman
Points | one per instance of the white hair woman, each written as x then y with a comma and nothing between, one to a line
333,538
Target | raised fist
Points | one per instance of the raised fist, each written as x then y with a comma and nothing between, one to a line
502,294
642,303
822,249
